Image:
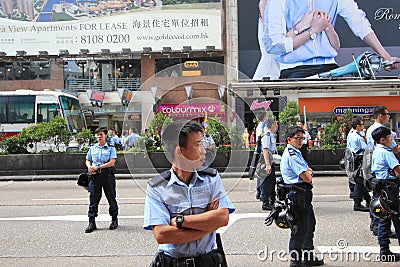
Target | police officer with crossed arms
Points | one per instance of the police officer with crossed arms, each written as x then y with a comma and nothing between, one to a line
297,176
186,204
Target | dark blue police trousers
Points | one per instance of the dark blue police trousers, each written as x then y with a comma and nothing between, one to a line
105,181
302,240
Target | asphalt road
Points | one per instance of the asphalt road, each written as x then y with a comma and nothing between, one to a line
42,224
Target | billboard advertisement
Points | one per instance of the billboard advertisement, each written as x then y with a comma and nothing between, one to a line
267,35
53,25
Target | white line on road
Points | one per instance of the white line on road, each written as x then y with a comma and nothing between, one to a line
76,199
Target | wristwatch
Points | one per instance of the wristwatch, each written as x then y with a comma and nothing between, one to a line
296,31
313,35
179,220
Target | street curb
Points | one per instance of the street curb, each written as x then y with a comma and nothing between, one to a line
142,176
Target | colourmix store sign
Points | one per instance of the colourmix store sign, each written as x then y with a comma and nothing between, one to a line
76,25
195,110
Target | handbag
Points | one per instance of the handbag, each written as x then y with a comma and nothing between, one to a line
83,180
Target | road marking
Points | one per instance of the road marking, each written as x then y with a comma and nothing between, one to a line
78,199
73,218
331,195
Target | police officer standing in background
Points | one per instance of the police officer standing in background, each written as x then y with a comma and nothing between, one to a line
297,177
100,161
307,137
356,142
185,206
384,161
209,145
268,142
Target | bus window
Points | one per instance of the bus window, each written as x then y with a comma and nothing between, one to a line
72,113
3,109
47,112
21,109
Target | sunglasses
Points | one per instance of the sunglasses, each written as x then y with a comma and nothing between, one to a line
299,138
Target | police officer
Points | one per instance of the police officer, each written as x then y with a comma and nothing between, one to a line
380,116
100,161
383,160
268,142
356,143
209,145
184,206
297,177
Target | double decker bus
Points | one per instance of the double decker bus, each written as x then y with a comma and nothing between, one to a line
22,108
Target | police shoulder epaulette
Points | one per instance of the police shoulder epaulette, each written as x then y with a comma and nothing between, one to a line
291,151
166,175
207,171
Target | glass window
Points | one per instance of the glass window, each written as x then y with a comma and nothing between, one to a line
21,109
40,70
72,114
3,109
46,112
2,71
9,68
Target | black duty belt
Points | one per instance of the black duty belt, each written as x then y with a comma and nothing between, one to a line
210,259
299,186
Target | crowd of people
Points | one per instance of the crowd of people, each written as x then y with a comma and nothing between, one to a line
383,195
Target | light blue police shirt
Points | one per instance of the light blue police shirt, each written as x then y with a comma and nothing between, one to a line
130,140
268,141
207,140
292,165
115,140
383,159
370,140
170,198
101,154
356,142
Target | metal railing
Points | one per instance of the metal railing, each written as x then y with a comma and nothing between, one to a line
81,85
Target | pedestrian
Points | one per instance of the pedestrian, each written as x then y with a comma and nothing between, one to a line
307,138
185,206
261,117
356,143
383,163
268,142
131,138
115,140
209,146
100,161
297,176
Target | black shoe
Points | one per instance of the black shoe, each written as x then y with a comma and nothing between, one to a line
91,227
351,195
296,264
114,224
267,205
360,207
386,255
311,260
258,195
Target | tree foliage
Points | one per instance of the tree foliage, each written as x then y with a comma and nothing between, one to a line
290,113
